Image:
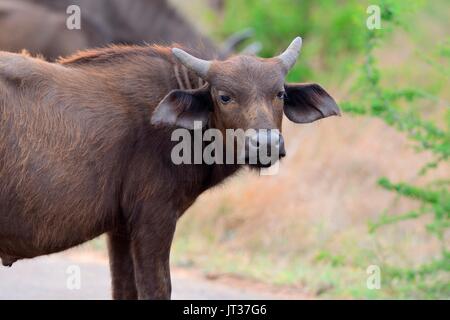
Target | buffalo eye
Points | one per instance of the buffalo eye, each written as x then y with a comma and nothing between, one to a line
225,99
281,95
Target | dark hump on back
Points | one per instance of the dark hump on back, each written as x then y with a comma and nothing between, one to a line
114,54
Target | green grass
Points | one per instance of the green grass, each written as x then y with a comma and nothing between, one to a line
324,271
322,275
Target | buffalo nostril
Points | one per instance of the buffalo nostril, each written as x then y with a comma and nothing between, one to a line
254,141
281,148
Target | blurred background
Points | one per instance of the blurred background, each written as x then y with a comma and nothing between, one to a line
369,188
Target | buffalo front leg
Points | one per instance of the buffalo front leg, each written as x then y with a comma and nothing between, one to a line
121,265
150,249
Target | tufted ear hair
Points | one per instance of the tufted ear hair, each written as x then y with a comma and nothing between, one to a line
308,102
182,107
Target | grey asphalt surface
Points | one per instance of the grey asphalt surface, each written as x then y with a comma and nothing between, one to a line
47,277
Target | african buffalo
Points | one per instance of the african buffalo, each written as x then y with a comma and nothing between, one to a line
85,147
43,31
39,26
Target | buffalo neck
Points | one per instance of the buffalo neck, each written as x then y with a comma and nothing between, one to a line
142,77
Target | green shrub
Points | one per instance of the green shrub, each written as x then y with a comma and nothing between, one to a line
404,109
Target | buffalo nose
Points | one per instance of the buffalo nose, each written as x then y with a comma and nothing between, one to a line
282,150
266,144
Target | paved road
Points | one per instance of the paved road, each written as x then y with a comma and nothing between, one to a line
47,278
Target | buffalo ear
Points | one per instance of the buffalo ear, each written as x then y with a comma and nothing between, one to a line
308,102
182,107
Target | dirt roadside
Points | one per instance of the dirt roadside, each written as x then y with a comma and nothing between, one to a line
47,278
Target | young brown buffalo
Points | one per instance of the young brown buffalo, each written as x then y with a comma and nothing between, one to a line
85,147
